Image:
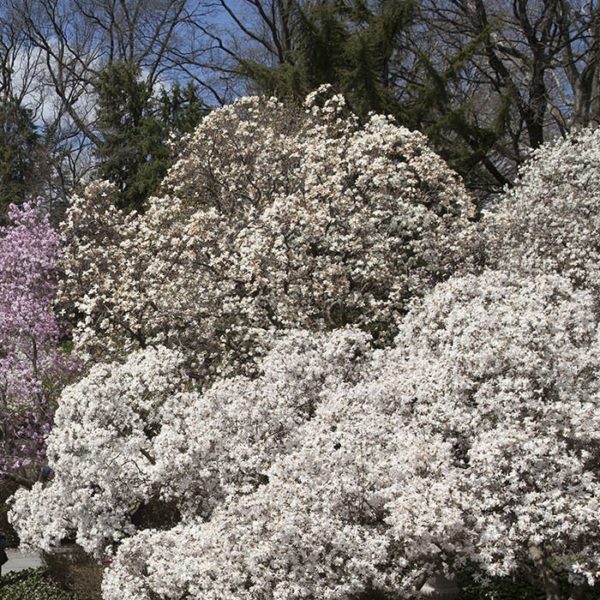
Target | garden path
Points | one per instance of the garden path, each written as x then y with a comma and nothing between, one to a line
17,560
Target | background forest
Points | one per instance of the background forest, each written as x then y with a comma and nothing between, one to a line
96,88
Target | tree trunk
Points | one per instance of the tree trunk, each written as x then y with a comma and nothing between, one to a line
545,573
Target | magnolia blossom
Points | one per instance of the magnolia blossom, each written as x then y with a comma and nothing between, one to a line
341,471
263,389
131,432
99,450
549,222
271,219
474,440
32,365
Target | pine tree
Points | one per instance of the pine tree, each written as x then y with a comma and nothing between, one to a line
134,126
346,44
19,142
442,108
367,51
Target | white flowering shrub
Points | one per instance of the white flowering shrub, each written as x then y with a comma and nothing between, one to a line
103,278
505,370
130,433
100,449
549,222
343,471
271,219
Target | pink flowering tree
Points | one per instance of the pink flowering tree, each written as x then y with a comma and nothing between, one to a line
33,367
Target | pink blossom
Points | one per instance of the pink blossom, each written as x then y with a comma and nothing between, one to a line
33,366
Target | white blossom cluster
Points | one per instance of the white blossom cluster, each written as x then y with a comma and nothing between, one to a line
129,432
100,449
271,219
474,439
342,470
549,222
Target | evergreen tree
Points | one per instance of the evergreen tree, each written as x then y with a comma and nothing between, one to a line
442,107
19,142
181,109
367,51
134,127
346,44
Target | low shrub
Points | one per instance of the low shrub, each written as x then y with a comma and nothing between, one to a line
474,585
7,489
75,571
32,584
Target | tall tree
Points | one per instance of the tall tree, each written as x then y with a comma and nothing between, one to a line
33,365
67,44
19,142
364,50
534,65
348,45
134,128
487,80
369,52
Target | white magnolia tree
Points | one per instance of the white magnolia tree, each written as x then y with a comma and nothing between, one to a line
343,471
549,222
271,219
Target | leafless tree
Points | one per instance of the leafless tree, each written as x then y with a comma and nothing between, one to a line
543,54
57,48
528,67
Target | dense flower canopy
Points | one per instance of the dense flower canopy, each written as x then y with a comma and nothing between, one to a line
342,470
271,219
549,222
129,432
32,365
309,373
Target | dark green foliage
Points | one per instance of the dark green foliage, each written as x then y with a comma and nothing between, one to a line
7,489
442,106
130,153
520,587
181,109
346,44
474,587
19,141
367,51
134,127
31,584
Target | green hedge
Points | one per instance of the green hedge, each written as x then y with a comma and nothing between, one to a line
474,587
31,584
7,489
